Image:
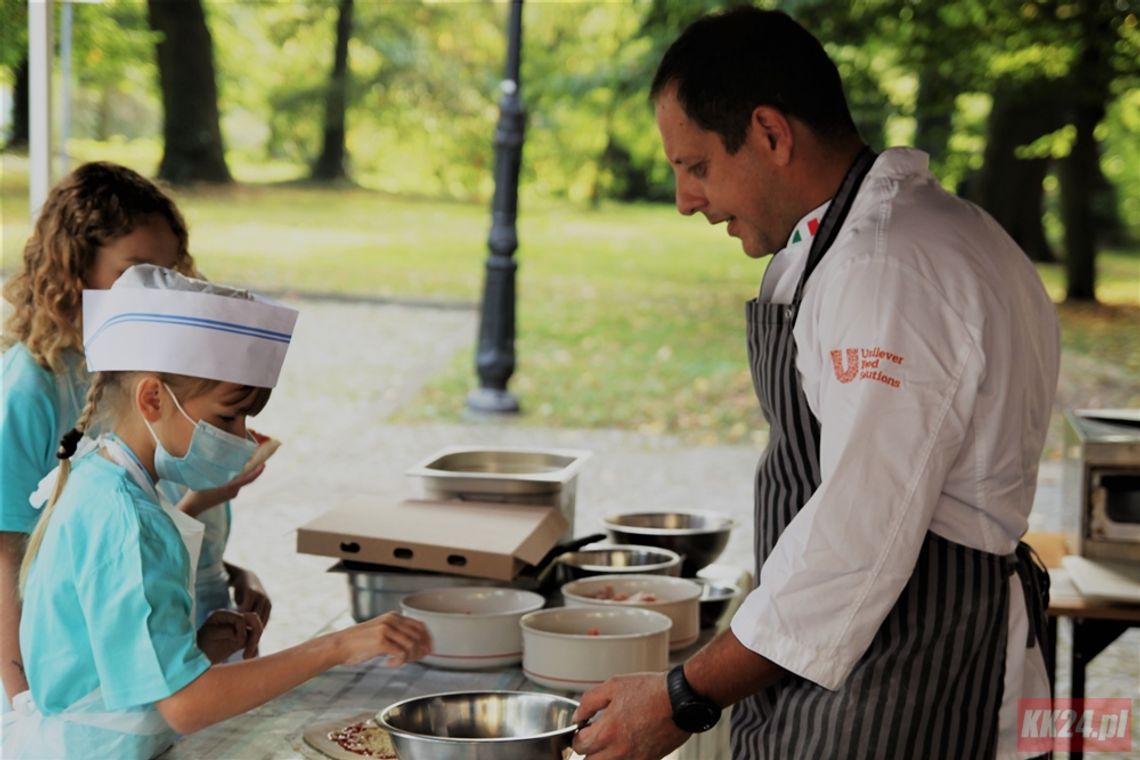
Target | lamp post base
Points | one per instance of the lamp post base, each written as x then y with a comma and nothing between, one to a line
492,401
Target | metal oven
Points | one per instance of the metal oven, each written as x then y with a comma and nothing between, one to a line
1102,478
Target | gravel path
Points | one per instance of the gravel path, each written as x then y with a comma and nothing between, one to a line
352,364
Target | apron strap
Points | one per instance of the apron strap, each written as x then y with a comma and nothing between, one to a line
1035,582
836,214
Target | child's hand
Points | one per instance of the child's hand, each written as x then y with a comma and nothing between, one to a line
249,594
401,638
226,632
195,503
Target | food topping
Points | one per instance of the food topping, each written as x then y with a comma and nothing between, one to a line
366,739
607,593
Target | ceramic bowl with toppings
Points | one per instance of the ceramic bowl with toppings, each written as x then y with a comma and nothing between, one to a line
472,627
675,597
576,648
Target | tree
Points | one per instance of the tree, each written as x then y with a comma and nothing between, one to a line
14,57
330,164
192,135
1091,75
1010,185
18,138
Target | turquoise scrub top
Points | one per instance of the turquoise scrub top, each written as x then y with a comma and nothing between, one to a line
212,582
37,409
106,603
34,413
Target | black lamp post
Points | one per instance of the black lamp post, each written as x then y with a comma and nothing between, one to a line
495,357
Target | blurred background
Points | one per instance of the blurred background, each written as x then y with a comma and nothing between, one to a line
345,148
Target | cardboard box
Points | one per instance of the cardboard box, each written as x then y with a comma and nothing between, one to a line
480,540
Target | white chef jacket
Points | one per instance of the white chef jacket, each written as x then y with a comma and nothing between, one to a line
929,352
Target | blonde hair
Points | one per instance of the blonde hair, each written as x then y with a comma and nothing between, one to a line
117,386
93,206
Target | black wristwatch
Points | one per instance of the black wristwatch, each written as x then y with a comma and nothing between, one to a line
691,712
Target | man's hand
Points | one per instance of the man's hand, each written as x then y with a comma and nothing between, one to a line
637,723
226,632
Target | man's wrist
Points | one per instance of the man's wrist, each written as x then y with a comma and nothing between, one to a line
692,712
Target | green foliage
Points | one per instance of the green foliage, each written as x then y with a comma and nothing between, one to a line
425,76
629,316
13,32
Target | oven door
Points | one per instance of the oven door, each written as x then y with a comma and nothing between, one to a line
1114,504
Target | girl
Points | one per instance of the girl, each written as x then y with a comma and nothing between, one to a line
113,659
95,223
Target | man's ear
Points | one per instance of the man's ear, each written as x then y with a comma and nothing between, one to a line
773,129
149,398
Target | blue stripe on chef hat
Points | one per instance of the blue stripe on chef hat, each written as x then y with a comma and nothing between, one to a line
210,324
154,319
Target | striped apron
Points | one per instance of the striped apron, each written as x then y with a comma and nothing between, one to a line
930,684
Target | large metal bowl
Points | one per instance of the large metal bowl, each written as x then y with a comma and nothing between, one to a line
481,725
615,559
376,589
699,537
715,601
538,477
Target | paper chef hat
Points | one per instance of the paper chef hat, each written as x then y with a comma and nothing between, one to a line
154,319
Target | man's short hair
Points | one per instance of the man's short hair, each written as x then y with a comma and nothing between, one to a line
726,64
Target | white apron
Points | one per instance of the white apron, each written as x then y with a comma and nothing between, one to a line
87,729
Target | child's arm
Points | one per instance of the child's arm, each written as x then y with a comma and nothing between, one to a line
11,662
250,683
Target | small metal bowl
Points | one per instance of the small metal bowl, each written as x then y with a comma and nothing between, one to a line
715,599
622,558
699,537
481,725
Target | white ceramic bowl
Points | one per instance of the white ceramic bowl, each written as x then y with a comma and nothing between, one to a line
560,652
676,597
472,627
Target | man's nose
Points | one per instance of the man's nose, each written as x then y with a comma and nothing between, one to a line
689,198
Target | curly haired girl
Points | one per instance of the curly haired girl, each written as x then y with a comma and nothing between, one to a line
98,221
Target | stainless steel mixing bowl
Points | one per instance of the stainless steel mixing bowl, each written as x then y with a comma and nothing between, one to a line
621,558
481,725
699,536
715,599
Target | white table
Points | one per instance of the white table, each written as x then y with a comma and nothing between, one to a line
274,730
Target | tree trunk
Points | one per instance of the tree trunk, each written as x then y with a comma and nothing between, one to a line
20,94
192,137
1080,170
933,114
1077,188
1010,188
935,99
330,164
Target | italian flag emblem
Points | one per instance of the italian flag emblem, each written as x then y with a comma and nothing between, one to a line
813,227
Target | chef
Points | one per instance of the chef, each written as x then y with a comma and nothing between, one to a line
905,356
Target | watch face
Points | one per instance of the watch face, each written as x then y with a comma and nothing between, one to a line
696,717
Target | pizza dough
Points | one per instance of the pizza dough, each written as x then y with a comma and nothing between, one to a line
265,449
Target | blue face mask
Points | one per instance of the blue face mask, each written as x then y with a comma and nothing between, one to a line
213,458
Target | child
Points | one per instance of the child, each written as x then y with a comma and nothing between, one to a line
99,220
113,659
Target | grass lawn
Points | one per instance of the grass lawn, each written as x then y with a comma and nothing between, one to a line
629,316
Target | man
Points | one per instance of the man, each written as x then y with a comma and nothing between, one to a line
905,356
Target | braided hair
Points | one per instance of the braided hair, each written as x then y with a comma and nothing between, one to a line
67,446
